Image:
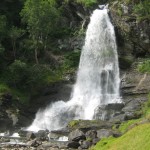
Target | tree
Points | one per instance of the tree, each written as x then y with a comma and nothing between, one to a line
41,17
15,33
3,32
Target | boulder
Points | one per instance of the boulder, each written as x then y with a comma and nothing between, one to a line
76,136
73,144
30,136
104,133
94,141
42,135
86,144
34,143
86,125
91,134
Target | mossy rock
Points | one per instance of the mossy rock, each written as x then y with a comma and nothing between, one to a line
85,125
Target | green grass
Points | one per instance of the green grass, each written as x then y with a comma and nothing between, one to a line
125,125
73,123
146,107
144,67
137,138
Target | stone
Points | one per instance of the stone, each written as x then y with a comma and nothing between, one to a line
116,134
22,133
34,143
104,133
118,118
42,135
73,144
86,144
30,136
86,125
76,135
106,112
95,140
91,134
6,99
53,136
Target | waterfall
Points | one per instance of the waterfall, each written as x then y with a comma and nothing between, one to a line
97,78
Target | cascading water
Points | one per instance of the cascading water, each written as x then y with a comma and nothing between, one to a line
97,79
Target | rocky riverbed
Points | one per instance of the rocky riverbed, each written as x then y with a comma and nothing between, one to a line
80,134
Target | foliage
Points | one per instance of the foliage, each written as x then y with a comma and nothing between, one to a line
41,18
14,34
142,10
71,60
73,123
17,73
86,3
137,139
20,96
146,107
125,125
41,75
144,67
4,88
3,25
2,49
21,75
104,144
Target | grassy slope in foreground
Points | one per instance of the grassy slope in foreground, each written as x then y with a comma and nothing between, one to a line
137,138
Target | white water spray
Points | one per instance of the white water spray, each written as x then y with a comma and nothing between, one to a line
97,79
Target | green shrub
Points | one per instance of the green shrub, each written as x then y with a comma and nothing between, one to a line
41,75
17,74
4,88
20,96
142,10
125,125
146,107
73,123
86,3
71,60
28,77
144,67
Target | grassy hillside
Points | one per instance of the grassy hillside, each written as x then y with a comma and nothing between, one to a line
137,138
136,134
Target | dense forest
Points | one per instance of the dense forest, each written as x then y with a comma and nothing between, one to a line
30,31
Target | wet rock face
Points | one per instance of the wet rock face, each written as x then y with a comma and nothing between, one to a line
133,37
8,117
76,136
106,112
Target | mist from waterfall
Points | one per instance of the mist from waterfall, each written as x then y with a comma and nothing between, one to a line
97,78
